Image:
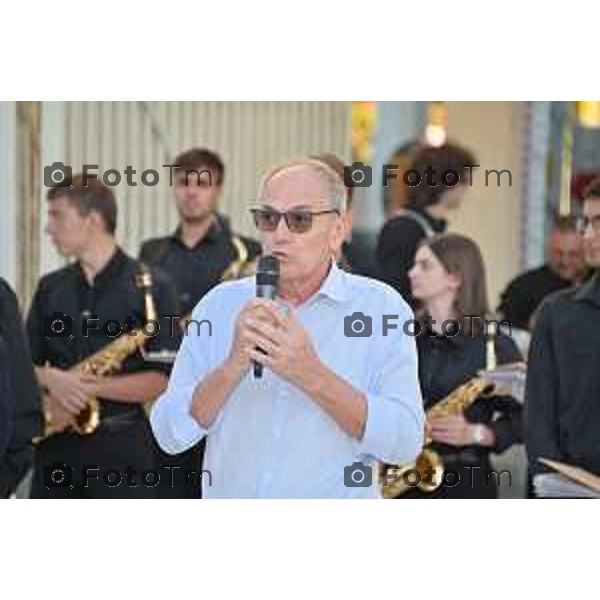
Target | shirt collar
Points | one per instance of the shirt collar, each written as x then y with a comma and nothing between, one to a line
214,232
590,290
335,284
108,272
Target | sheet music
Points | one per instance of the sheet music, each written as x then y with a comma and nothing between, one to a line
555,485
509,379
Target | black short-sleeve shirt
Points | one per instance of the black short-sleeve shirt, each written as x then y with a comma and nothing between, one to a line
195,271
114,295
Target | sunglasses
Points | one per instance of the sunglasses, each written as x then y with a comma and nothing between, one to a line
297,221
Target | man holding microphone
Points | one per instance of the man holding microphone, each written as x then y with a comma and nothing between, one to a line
331,393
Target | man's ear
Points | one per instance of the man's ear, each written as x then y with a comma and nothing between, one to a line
337,235
349,223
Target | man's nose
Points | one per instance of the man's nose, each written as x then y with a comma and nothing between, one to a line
282,230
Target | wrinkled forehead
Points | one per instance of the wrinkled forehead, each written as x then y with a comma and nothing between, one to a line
293,186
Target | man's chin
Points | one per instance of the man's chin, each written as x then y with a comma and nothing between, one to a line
193,219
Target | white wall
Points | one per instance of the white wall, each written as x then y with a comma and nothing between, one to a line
250,137
492,215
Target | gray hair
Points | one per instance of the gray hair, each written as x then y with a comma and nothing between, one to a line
337,192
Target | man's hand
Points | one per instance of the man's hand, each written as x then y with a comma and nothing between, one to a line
455,431
287,347
56,413
243,344
68,389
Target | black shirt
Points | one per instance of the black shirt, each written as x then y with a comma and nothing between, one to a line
114,294
562,397
195,271
447,362
23,401
524,294
7,398
397,246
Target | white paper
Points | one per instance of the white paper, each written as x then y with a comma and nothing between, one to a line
555,485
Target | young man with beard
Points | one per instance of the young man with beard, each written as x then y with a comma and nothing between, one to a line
562,408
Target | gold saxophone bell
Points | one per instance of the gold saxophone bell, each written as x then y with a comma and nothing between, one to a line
429,471
395,480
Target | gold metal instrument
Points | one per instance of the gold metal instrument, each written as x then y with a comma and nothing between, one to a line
105,361
395,480
242,266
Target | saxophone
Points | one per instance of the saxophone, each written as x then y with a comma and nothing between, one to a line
241,266
455,403
105,361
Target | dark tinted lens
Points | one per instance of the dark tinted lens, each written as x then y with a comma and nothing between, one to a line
266,220
299,221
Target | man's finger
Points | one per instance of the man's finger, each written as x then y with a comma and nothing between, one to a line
262,342
265,330
260,303
73,405
263,359
264,306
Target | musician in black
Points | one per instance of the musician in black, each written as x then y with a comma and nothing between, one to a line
198,255
100,286
20,417
562,398
448,277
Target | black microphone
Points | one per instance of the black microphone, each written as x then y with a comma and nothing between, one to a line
267,281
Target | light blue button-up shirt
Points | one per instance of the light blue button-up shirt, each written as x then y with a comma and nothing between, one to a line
270,439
